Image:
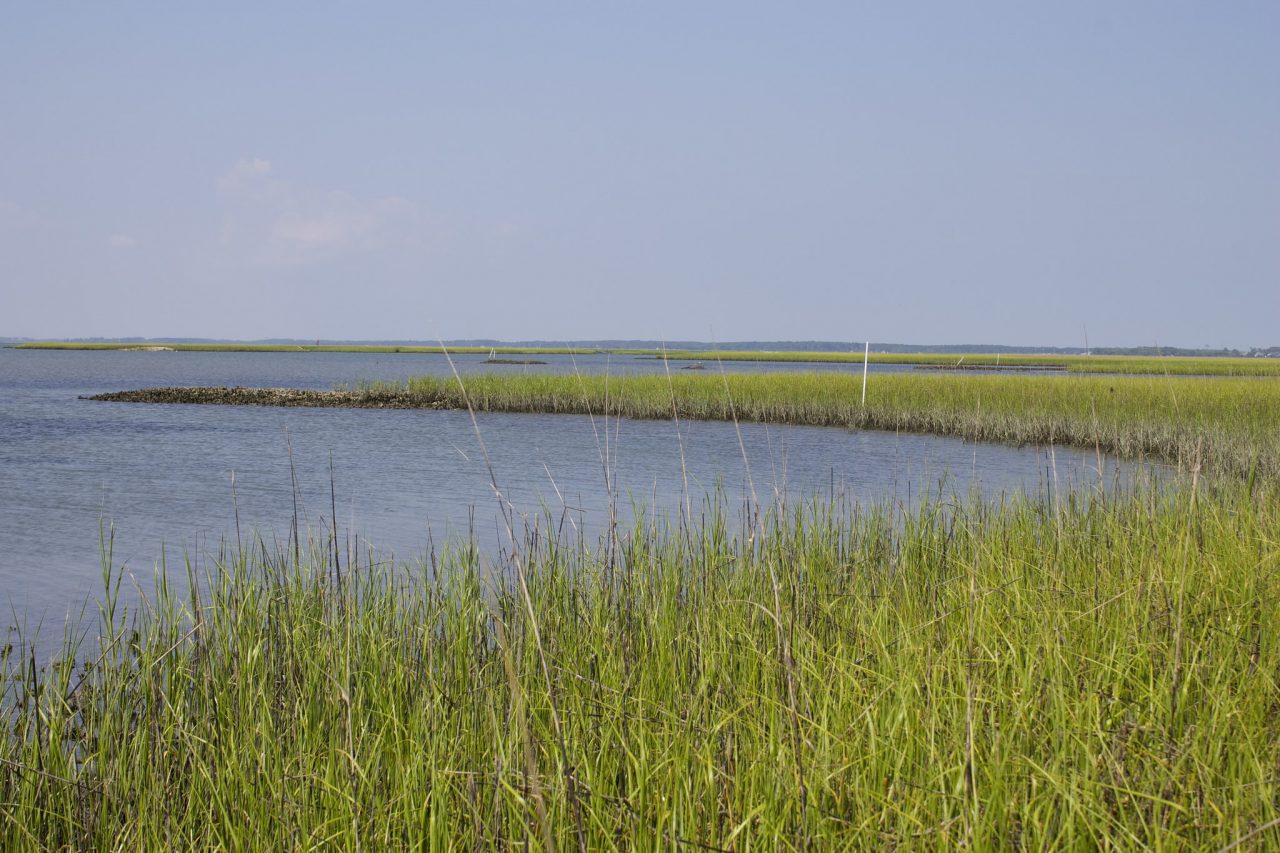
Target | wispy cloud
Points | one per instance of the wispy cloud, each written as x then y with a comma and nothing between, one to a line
274,221
15,217
244,174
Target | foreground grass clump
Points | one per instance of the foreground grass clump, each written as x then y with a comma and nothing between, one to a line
1229,424
1077,674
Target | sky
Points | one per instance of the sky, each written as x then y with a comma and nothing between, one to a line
1010,173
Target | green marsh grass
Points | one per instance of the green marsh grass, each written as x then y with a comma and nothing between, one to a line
1099,673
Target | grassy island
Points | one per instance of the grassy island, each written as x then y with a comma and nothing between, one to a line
1227,423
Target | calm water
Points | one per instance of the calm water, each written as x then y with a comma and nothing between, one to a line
163,475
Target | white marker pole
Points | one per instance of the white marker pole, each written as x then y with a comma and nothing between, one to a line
866,357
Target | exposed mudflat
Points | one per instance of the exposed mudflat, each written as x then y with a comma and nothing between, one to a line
223,396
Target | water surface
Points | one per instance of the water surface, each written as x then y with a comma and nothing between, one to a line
181,477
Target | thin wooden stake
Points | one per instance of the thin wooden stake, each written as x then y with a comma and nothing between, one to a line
866,357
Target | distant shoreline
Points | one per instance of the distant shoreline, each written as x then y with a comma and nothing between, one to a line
1111,364
620,345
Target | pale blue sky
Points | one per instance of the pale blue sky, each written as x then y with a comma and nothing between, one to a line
934,173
